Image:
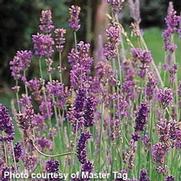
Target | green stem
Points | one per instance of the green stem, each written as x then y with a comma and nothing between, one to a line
100,136
75,39
26,88
17,96
60,64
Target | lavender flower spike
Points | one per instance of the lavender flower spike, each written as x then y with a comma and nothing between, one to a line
81,147
144,175
116,4
74,17
6,125
20,62
46,23
141,117
43,45
60,39
165,97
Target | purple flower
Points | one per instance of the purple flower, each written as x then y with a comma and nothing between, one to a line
25,118
178,138
144,175
46,23
38,120
25,101
60,39
55,88
144,57
18,151
164,130
76,114
172,22
141,117
172,19
34,84
116,4
52,166
87,168
74,20
150,86
44,143
128,88
30,162
20,63
46,109
135,137
169,178
122,106
104,73
165,97
113,33
80,56
159,152
43,45
90,107
6,125
81,147
81,64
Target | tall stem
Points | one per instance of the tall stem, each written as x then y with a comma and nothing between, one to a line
75,39
60,64
17,96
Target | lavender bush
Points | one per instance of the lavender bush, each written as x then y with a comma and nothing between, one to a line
117,116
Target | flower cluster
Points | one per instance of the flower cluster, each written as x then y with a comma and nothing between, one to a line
6,125
20,63
43,45
46,23
141,117
74,17
172,22
60,39
144,57
144,175
81,64
116,4
159,152
165,97
113,33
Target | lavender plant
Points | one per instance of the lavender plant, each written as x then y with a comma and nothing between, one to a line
118,116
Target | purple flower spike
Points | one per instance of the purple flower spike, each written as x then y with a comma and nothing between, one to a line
43,45
20,63
144,57
144,175
172,22
165,97
150,86
52,166
81,147
116,4
46,23
141,117
74,20
60,39
77,112
89,112
169,178
6,125
159,152
113,33
18,151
